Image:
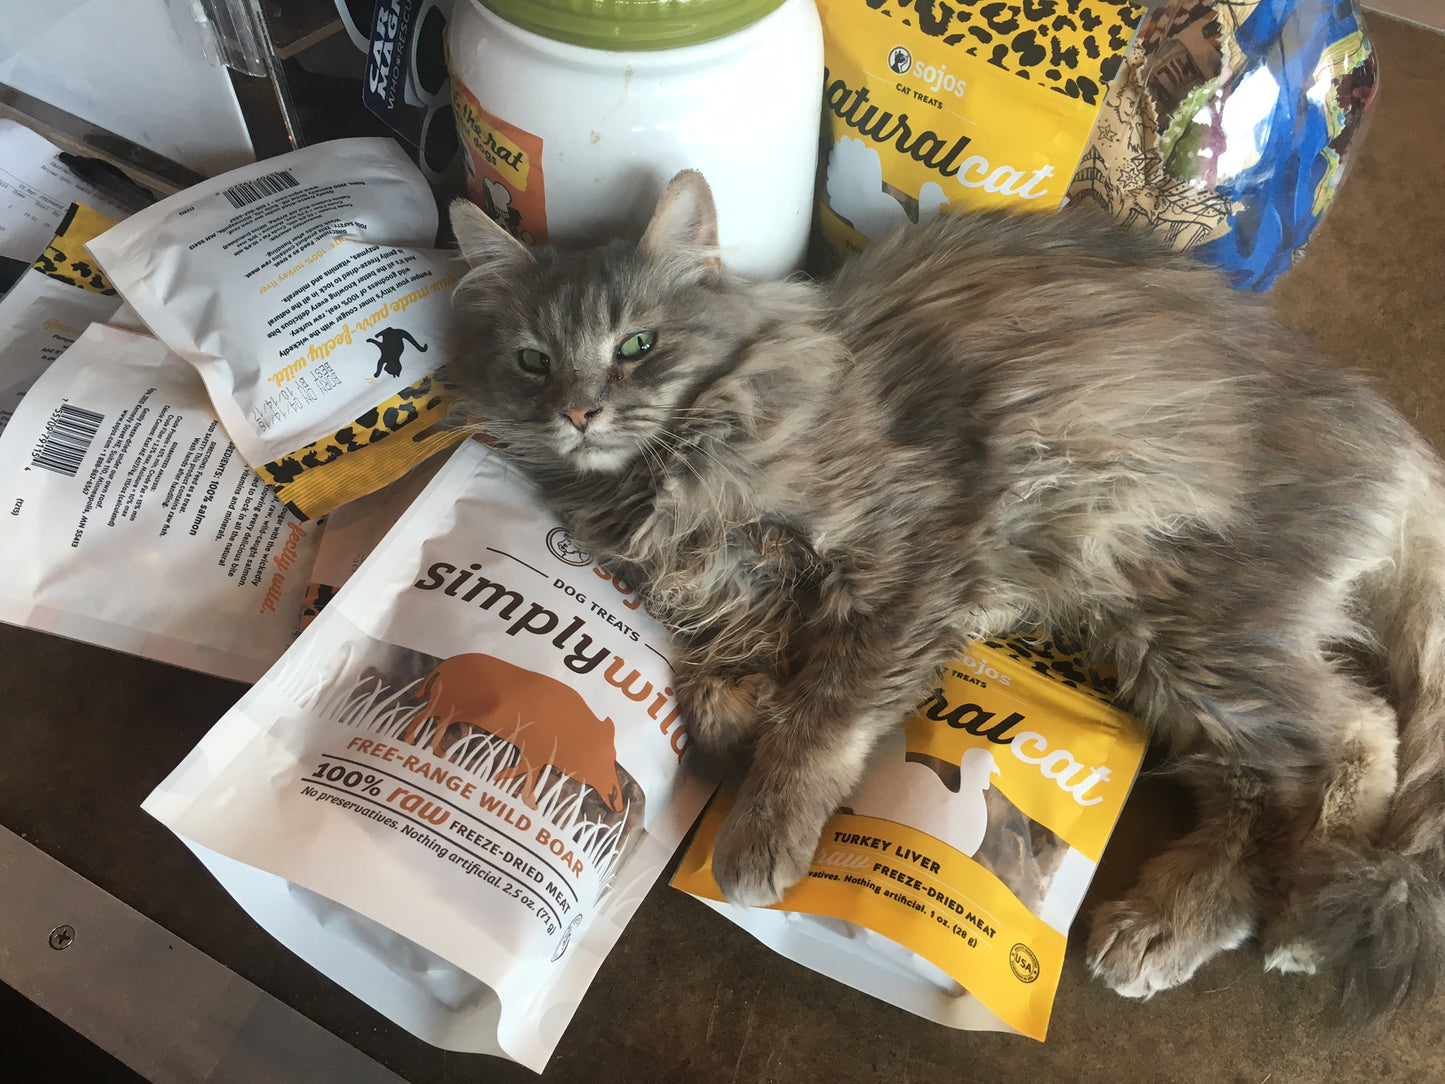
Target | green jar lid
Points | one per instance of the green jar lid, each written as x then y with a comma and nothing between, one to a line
620,25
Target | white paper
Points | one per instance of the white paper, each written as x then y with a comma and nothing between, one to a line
36,189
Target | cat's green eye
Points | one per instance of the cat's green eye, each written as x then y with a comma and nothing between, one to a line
533,361
636,344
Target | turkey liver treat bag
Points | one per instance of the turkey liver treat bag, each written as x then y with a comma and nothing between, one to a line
455,789
946,882
306,292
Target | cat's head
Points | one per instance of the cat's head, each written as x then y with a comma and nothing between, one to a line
587,359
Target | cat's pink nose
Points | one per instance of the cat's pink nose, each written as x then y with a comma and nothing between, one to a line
580,416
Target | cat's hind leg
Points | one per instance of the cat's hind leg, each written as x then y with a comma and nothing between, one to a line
1359,785
1199,898
1260,812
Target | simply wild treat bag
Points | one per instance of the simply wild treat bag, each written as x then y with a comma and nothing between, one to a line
306,291
947,881
131,522
455,789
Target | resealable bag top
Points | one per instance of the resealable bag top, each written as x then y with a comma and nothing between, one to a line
454,790
306,291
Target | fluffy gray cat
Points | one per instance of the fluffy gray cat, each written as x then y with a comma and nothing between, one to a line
991,424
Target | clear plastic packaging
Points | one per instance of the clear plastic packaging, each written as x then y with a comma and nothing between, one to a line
1230,127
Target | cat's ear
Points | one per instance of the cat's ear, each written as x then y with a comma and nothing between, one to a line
683,229
482,241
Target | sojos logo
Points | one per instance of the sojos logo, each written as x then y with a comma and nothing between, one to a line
565,548
901,61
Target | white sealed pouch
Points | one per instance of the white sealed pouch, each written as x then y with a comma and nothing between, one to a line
305,290
131,522
455,789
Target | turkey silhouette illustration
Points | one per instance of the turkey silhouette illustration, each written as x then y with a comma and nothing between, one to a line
911,793
546,721
391,342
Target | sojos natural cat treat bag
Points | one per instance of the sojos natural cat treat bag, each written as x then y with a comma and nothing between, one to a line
454,790
939,108
305,290
946,882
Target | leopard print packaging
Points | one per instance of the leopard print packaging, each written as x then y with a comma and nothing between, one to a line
940,108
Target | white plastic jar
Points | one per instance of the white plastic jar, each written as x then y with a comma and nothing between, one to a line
574,114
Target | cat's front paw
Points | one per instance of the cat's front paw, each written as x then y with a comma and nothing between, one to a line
755,862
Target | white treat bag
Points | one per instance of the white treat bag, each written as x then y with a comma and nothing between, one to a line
470,889
133,525
305,291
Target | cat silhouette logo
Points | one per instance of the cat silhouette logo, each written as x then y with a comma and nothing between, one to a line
900,60
912,793
391,342
548,723
857,194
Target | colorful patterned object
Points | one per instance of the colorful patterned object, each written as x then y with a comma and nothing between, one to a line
1231,126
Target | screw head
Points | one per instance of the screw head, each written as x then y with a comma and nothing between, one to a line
62,937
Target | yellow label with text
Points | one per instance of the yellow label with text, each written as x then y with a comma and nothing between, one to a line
1059,763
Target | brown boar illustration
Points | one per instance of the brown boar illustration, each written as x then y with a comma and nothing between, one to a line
547,722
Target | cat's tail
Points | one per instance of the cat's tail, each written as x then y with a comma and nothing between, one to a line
1380,913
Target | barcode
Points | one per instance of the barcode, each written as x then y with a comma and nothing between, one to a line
268,184
66,439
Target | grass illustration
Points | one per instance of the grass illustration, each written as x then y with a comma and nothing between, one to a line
370,704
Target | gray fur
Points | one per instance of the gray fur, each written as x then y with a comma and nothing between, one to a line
991,424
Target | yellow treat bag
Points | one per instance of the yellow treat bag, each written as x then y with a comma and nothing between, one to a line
935,109
947,880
